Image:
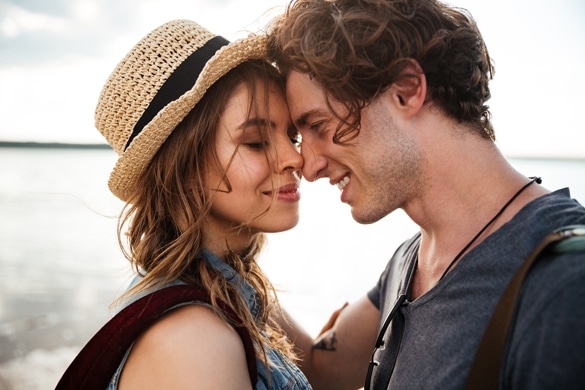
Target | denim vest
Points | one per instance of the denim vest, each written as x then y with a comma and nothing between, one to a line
281,374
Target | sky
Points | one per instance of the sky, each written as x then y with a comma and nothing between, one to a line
55,56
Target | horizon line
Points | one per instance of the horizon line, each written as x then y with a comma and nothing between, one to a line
106,146
54,145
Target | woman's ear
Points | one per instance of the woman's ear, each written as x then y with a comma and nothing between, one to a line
409,91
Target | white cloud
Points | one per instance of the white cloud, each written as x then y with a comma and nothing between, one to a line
537,48
86,10
16,21
231,18
52,104
53,100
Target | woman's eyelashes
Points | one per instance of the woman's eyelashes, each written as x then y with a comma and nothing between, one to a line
259,145
253,139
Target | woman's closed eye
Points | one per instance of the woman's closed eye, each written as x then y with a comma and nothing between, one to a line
256,145
252,136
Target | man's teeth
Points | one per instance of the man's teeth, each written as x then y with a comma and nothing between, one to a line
341,185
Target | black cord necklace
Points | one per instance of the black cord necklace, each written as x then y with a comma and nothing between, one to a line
532,180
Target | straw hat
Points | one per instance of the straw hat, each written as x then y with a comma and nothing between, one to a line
156,85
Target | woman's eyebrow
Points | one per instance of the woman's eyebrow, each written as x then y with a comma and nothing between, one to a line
256,122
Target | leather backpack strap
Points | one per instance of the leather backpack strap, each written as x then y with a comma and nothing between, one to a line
485,370
99,359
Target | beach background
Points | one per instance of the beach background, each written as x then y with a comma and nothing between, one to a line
60,266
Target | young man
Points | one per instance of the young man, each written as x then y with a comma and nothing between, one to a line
390,98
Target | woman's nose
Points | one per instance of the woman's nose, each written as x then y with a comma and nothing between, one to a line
315,164
289,159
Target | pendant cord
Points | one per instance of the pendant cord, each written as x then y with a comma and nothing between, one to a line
532,180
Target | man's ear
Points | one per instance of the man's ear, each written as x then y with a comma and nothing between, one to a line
410,90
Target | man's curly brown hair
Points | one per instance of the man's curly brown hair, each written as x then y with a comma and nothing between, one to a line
356,49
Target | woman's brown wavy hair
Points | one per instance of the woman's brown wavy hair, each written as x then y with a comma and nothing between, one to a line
161,229
357,48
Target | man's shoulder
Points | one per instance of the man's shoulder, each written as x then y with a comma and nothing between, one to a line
403,258
555,286
548,337
557,205
396,272
554,270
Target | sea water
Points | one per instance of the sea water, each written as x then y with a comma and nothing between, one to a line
61,267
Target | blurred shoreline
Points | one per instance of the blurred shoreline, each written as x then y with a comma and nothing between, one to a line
51,145
67,145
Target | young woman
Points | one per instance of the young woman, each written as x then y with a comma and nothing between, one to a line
208,162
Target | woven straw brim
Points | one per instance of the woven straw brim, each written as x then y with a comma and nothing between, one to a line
136,158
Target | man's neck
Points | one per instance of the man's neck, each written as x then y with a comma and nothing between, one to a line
462,196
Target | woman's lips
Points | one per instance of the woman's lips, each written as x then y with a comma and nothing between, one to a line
288,193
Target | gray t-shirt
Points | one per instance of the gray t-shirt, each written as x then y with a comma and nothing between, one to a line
436,336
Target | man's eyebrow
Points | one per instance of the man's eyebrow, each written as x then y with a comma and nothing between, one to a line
302,120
